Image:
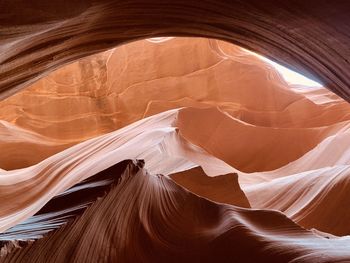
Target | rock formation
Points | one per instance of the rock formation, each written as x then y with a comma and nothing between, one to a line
167,149
309,36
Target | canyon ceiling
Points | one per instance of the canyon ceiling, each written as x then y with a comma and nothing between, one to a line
311,37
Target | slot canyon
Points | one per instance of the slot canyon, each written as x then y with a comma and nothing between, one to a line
175,131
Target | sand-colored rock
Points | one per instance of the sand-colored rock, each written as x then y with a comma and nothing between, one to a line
224,125
107,91
151,219
222,189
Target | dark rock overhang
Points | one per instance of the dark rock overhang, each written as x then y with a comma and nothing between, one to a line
311,37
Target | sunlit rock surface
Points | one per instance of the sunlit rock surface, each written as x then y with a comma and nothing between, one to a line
239,165
113,89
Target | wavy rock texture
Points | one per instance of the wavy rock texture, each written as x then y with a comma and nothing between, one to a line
64,207
310,36
151,219
110,90
225,140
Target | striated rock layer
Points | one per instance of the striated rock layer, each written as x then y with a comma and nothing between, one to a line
239,165
151,219
112,89
310,36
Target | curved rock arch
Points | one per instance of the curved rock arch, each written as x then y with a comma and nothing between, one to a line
311,37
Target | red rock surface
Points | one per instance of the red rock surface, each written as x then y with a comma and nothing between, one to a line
240,166
310,36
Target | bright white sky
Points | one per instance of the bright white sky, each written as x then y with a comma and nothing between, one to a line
294,77
289,75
